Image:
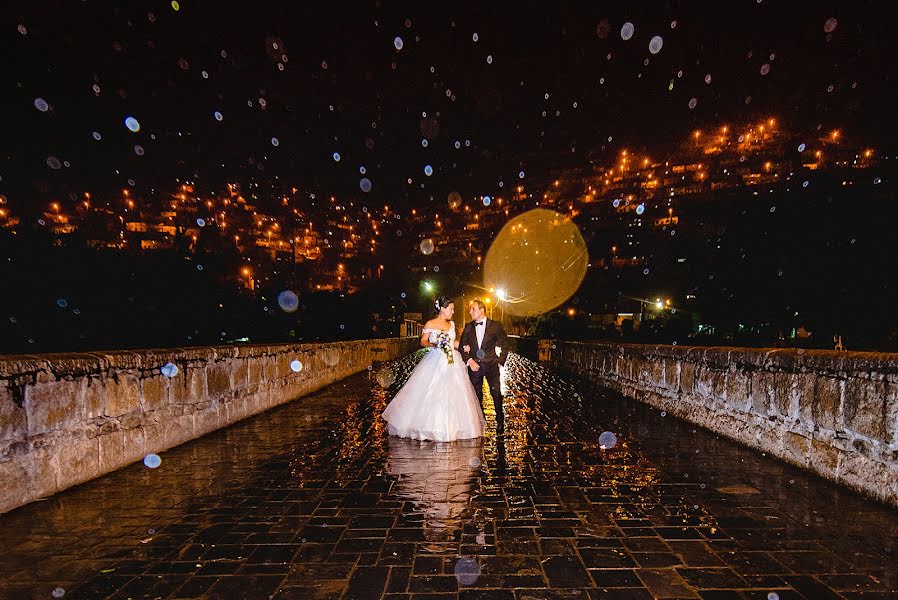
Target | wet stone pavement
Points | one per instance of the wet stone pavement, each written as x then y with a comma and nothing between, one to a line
314,500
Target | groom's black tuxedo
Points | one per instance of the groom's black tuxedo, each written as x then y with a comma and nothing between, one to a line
484,354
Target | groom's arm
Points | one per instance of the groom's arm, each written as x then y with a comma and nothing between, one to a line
502,342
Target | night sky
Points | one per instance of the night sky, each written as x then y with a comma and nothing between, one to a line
519,87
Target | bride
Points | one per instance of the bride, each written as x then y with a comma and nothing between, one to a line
437,402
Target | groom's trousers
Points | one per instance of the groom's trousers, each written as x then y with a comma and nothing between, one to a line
490,372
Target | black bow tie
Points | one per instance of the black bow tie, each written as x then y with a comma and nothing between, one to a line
478,323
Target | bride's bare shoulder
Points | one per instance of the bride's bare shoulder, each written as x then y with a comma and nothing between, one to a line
431,324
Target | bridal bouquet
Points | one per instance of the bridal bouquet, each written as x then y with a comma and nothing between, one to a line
444,343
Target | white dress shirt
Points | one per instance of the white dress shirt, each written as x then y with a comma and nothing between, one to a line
479,329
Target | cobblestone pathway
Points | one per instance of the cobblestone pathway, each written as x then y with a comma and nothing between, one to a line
314,500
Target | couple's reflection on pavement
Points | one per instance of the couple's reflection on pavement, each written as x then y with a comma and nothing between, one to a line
438,478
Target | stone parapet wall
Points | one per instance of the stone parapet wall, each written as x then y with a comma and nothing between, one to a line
68,418
833,413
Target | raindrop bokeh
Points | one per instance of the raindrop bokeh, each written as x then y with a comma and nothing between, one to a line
607,440
467,571
385,377
288,301
169,369
540,259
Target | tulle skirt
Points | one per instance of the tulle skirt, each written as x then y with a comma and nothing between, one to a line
437,402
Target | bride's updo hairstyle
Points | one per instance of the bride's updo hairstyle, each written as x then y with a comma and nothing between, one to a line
441,302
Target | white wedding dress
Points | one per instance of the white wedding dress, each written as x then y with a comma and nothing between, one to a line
437,402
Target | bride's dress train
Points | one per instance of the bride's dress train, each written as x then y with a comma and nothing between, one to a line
437,402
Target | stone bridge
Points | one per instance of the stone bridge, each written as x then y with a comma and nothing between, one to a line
601,486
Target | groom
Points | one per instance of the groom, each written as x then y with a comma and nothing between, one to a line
478,344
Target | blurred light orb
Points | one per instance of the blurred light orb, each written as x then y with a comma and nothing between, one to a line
365,184
656,44
693,103
708,78
331,356
801,147
467,571
429,126
336,156
138,150
626,32
62,302
773,596
362,170
175,5
296,366
765,68
288,301
428,170
275,142
830,25
539,259
397,43
487,200
96,135
41,104
54,163
385,377
218,116
640,209
132,124
169,369
201,222
607,440
152,461
426,246
58,592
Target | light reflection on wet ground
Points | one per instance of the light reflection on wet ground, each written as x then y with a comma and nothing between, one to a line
314,500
